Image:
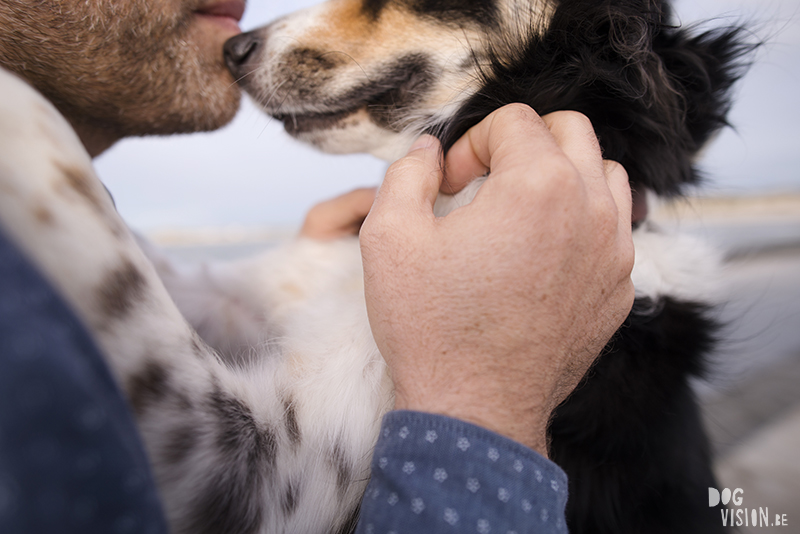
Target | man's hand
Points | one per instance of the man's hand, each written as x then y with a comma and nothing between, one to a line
494,313
339,217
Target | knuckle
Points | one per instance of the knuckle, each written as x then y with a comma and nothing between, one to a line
563,178
604,217
408,165
616,175
373,222
396,169
573,119
370,233
622,256
610,219
516,112
629,257
378,226
615,171
630,295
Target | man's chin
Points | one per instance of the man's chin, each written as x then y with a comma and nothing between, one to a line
222,111
193,113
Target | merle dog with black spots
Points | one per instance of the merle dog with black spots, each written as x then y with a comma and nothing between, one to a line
256,384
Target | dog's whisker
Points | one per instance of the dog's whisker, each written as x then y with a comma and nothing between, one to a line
280,106
242,77
269,100
274,92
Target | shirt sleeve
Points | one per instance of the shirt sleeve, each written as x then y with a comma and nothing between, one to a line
435,474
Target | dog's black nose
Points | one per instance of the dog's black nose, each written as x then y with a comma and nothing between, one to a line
240,51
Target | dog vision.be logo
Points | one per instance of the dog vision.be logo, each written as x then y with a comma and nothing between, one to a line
739,517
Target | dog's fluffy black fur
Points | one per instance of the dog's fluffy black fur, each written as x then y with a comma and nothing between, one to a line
630,437
654,93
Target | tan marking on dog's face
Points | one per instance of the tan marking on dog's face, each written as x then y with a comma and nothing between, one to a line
348,24
346,80
336,46
348,30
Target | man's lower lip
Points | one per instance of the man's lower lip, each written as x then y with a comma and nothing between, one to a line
227,22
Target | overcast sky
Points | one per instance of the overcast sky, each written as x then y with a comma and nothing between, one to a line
252,174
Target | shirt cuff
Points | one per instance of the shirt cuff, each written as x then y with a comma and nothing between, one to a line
436,474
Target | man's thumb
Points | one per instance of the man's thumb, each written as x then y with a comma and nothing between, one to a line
413,181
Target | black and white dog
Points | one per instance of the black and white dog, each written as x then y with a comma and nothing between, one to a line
369,75
273,431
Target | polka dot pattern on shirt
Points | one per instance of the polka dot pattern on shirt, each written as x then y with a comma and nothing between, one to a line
439,474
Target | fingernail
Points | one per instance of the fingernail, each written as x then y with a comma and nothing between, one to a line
424,141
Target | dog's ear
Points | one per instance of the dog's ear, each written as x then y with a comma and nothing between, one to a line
685,86
655,92
703,69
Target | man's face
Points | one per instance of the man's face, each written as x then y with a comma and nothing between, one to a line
127,67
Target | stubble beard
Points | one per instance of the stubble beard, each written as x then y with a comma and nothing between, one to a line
119,67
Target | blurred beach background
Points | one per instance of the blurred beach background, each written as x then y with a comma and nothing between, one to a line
247,186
